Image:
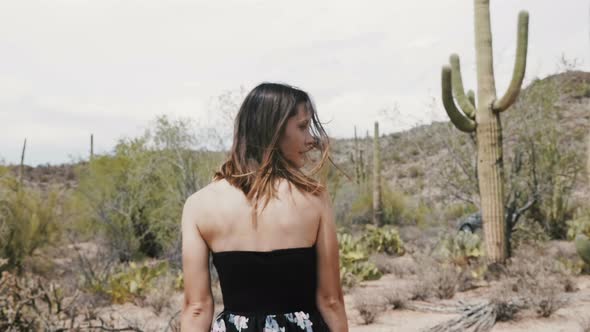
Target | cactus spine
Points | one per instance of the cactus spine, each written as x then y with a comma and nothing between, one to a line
483,118
377,204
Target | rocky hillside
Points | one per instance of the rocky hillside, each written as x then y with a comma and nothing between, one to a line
417,161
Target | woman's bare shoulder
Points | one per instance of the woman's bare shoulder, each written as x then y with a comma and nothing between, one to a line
204,197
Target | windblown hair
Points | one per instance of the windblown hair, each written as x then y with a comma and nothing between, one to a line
255,162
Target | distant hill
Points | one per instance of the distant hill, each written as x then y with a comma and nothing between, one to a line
413,159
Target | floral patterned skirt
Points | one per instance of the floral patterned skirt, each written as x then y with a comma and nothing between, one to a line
286,322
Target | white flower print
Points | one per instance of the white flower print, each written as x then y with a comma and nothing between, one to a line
218,326
271,325
301,319
240,322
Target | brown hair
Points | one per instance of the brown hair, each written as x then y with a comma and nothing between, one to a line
255,162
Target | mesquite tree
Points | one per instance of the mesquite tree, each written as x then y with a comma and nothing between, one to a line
483,118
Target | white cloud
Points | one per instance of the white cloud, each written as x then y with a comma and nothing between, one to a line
108,67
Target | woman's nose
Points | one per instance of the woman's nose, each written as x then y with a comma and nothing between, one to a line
311,142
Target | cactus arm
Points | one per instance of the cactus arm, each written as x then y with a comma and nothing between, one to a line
458,90
519,66
471,96
460,121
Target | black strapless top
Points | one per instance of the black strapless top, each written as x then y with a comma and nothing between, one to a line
268,289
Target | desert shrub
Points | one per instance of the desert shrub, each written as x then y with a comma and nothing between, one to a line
538,280
395,297
394,206
402,266
436,279
528,232
455,211
159,295
29,220
382,262
179,281
30,303
398,208
507,307
415,171
134,196
580,224
131,282
368,305
584,323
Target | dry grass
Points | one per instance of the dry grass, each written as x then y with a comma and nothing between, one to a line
538,280
395,298
402,266
435,279
584,323
159,297
369,305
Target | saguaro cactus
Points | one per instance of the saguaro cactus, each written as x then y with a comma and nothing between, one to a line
483,118
377,204
357,159
581,241
21,170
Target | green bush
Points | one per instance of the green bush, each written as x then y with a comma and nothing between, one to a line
29,220
455,211
131,282
528,231
134,197
398,208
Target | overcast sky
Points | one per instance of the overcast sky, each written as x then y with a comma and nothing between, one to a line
69,68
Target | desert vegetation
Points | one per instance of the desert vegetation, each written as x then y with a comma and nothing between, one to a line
95,244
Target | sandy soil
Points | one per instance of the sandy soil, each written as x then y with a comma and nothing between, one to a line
565,319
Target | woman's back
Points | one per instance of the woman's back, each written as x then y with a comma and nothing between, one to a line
267,271
290,220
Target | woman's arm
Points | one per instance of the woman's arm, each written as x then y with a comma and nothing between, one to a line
197,309
329,296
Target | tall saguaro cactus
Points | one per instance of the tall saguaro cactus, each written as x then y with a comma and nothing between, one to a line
483,118
377,200
21,169
357,159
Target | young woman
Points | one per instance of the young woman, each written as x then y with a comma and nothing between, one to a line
268,226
